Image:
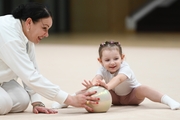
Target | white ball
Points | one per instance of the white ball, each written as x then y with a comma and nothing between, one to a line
105,101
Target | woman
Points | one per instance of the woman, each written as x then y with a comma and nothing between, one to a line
27,26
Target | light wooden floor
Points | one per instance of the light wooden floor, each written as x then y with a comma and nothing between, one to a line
127,39
68,59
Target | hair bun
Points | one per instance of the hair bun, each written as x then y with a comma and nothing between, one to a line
17,12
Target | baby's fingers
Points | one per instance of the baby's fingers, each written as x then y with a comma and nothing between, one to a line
87,84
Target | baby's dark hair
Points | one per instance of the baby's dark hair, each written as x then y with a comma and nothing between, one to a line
32,10
109,45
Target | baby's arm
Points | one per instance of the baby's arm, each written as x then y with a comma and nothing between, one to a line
96,79
118,79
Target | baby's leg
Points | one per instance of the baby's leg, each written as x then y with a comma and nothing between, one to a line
143,91
115,98
129,99
155,96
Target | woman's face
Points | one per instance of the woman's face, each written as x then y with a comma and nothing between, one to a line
35,32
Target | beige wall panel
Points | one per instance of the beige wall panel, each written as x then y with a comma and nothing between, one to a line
99,16
88,16
117,11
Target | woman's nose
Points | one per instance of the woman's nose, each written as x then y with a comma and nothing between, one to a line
46,34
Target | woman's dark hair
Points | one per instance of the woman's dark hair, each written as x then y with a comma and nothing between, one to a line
32,10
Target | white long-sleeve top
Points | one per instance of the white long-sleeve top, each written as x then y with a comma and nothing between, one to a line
16,61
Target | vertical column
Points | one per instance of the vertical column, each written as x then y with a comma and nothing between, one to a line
1,7
61,15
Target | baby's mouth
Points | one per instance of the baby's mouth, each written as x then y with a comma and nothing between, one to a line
112,67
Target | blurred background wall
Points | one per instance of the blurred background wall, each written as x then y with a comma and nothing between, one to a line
108,16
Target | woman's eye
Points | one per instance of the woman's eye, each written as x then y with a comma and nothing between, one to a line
44,28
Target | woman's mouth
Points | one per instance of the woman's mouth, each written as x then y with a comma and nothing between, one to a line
39,38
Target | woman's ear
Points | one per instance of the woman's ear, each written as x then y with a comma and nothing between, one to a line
28,23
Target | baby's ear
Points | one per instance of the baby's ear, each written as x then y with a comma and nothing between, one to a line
122,56
99,59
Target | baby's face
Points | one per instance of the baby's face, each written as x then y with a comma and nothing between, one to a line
111,60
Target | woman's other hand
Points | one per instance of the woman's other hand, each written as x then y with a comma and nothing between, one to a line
39,107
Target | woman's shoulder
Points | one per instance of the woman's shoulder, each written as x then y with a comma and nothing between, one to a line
10,28
9,22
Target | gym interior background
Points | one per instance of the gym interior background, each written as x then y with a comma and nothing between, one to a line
148,31
108,16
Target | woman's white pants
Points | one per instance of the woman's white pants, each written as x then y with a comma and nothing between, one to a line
13,97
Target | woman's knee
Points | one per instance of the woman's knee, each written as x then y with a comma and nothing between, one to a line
6,105
18,95
21,103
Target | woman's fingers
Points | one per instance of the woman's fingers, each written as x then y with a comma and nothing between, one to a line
43,110
52,111
88,108
89,93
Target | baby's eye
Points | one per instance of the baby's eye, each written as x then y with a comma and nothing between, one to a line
116,58
107,60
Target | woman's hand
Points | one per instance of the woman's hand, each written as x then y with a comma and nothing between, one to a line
82,100
39,107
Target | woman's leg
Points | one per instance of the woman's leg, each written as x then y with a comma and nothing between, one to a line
19,96
6,103
155,96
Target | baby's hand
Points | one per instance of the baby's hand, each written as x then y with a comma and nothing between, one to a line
101,83
87,84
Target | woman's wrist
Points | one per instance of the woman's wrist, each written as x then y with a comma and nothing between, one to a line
40,104
69,100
